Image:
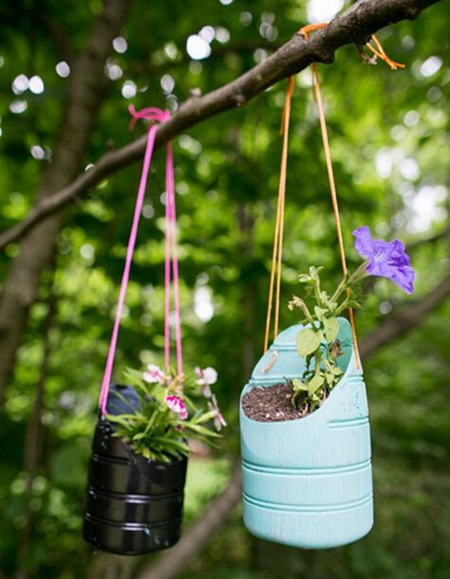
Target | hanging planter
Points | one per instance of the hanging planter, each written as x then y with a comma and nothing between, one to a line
137,469
133,505
307,482
305,435
307,465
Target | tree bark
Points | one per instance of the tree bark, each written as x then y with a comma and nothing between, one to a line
193,541
33,447
86,91
354,26
405,319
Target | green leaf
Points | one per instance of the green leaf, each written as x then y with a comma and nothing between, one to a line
308,341
355,304
314,272
298,398
320,313
331,328
299,386
201,430
330,378
203,417
125,419
138,436
304,278
316,382
172,443
151,422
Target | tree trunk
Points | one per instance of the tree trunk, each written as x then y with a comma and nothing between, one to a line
33,440
192,542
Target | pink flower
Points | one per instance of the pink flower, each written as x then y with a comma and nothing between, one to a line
154,374
206,377
219,420
177,405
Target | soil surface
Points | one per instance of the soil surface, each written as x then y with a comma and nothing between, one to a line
270,404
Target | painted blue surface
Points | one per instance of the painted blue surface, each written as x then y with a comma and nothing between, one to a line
308,482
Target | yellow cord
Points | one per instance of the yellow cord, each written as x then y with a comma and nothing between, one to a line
277,254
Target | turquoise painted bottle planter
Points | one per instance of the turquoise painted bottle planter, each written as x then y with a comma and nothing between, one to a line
308,482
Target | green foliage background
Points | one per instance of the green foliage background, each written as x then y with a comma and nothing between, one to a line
390,145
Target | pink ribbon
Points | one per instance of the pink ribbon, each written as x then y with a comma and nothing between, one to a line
171,257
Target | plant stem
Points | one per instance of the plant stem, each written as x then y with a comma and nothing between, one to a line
359,273
318,362
317,289
348,281
340,288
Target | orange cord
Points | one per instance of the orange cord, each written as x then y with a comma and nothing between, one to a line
305,30
277,254
378,50
271,362
275,271
329,164
332,184
334,199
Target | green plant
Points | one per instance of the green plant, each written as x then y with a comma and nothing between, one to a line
172,407
318,342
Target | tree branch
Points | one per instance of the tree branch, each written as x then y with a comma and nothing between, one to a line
173,562
354,26
404,319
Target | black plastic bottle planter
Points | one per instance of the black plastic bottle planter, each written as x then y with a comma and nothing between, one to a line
133,505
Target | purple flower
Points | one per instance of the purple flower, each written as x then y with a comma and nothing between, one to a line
386,259
177,405
154,374
206,377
